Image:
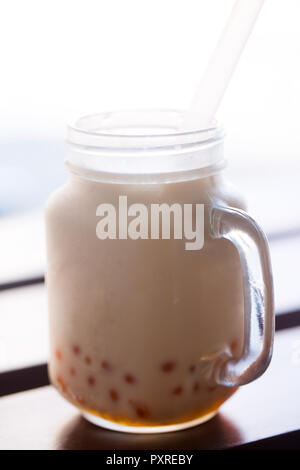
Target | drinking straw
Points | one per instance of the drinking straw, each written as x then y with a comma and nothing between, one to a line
222,64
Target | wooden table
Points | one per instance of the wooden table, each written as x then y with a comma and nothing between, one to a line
264,414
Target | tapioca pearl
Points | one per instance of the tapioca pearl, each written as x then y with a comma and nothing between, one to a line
168,366
212,388
88,360
72,371
177,390
91,380
61,383
129,378
196,387
114,395
233,345
141,410
106,365
192,368
76,349
80,399
58,354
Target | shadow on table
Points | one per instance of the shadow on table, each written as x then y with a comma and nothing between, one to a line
217,433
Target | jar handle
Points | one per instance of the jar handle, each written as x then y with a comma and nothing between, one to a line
252,246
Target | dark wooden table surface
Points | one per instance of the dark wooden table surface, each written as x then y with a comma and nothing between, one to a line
41,419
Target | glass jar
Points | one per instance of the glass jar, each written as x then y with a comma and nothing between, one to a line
150,331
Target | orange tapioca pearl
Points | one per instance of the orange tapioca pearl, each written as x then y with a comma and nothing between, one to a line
129,378
80,400
233,345
91,380
106,365
58,354
192,368
196,387
114,395
76,349
177,390
142,411
168,366
72,371
87,360
61,383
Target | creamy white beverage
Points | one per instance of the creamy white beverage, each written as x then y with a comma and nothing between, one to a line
140,328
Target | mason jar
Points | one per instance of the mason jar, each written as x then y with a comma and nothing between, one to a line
159,283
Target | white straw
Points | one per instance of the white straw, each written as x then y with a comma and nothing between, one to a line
222,64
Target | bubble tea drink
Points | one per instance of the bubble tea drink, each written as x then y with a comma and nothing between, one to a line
160,287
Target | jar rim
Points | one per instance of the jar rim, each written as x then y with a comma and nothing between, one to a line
106,130
98,150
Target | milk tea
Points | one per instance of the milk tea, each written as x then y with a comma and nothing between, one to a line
138,326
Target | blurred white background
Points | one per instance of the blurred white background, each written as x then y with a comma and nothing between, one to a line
62,57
